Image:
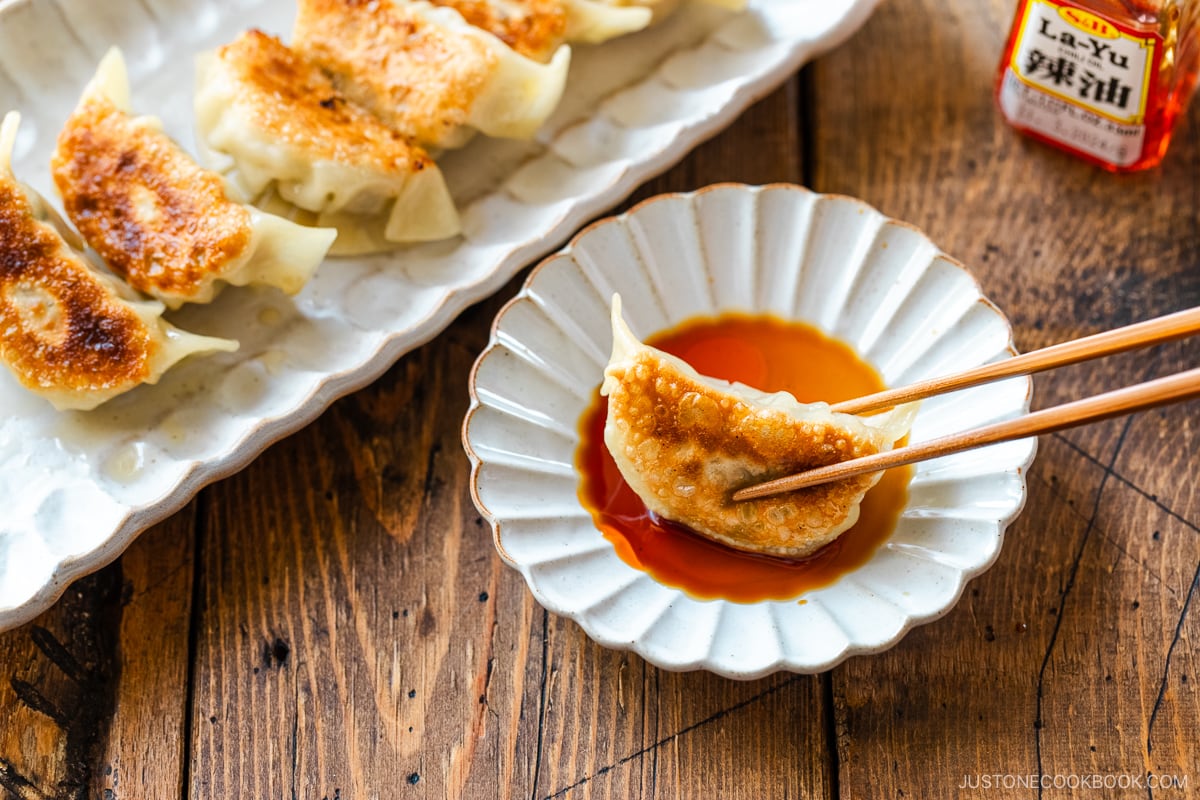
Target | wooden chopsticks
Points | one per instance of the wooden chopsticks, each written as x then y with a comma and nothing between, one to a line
1171,389
1142,334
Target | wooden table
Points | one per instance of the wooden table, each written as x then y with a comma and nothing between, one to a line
334,622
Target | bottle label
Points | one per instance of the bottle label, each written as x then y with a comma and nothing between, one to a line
1081,80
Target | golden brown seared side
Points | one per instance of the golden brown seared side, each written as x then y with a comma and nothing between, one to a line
533,28
156,217
685,447
62,328
419,77
293,100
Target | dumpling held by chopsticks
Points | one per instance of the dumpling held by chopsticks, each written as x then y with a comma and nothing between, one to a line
685,442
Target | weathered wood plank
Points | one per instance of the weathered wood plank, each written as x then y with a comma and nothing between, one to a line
1162,453
93,692
959,697
1128,614
354,617
1012,681
141,755
743,751
610,715
57,691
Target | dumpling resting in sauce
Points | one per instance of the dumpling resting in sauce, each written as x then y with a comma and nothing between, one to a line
685,442
68,332
158,219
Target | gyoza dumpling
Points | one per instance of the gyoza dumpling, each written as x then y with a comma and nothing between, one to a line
285,127
684,443
533,28
69,333
427,73
596,21
660,9
536,28
157,219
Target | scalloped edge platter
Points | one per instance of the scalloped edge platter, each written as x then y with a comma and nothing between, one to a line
78,487
877,284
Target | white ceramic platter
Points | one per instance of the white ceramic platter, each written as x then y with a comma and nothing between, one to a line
76,488
877,284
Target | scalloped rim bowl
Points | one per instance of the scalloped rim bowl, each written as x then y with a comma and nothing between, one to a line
832,261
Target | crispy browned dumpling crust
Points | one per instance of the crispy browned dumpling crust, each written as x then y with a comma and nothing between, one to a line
691,446
421,79
155,217
293,100
533,28
61,327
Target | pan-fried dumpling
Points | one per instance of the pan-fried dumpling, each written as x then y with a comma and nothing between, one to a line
596,21
426,73
684,443
533,28
284,129
159,220
660,9
536,28
68,332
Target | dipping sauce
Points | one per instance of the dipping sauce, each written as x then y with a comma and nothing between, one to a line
768,354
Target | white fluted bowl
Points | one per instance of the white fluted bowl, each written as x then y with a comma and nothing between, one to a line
831,261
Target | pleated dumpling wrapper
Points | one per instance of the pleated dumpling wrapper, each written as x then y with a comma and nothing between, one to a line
427,73
159,220
685,442
536,28
68,332
276,126
661,9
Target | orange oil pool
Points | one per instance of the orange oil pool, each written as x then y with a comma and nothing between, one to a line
769,354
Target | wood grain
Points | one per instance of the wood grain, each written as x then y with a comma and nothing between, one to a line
1128,709
334,622
364,655
1016,680
959,697
58,691
141,754
1161,457
93,692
